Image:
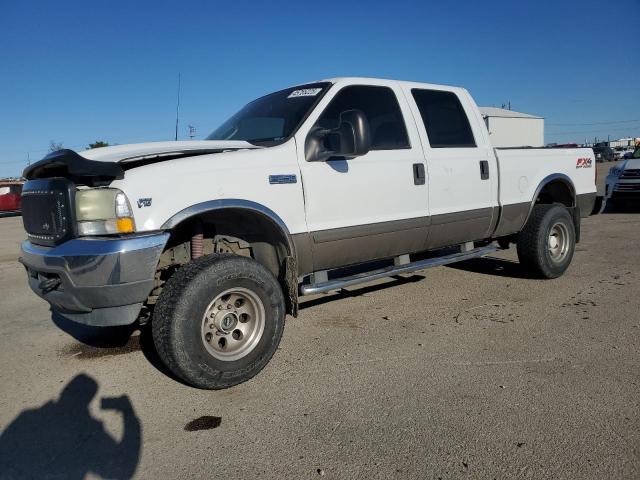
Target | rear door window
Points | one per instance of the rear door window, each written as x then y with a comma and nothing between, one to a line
444,119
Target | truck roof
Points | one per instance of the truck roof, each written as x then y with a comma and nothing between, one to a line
389,81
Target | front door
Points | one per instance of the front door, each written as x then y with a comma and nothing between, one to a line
373,206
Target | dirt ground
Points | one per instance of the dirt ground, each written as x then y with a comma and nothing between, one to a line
473,370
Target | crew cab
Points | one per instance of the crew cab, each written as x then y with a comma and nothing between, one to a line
310,189
623,182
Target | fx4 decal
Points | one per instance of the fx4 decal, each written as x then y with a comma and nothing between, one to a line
584,163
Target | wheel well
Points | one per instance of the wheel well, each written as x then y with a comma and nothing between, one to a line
233,230
556,191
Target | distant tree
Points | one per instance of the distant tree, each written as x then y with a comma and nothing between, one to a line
55,146
97,144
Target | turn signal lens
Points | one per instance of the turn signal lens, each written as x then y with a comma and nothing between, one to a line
125,225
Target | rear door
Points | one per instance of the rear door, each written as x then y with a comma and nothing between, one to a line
462,167
372,206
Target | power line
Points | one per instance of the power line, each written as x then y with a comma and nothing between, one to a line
580,132
11,162
594,123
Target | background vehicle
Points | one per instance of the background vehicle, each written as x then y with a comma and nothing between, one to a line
623,182
286,198
623,152
10,197
604,153
565,145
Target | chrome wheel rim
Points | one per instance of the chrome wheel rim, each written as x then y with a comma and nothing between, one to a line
558,242
233,324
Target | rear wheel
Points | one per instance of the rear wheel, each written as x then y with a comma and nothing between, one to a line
547,242
219,320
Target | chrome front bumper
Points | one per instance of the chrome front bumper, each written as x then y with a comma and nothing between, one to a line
95,281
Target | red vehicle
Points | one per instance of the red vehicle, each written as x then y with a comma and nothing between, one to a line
10,196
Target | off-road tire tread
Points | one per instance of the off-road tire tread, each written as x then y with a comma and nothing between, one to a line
171,295
530,255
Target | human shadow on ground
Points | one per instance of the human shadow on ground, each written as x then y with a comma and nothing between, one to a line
61,439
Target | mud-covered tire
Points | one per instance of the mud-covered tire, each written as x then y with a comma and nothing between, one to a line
547,242
179,322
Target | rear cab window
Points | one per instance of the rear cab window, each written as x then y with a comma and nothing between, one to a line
380,105
444,119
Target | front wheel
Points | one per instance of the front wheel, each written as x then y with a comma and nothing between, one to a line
218,321
547,242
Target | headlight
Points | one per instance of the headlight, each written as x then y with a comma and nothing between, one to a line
103,211
615,171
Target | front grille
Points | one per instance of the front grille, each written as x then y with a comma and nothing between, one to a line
48,210
631,173
627,187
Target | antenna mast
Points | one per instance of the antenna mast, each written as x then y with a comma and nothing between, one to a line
177,108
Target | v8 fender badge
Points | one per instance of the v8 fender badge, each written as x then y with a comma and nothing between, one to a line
144,202
583,163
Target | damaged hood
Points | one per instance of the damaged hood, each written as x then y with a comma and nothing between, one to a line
135,151
99,166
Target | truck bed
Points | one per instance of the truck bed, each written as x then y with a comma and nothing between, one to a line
523,170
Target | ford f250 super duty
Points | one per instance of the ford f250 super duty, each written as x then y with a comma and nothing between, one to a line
307,190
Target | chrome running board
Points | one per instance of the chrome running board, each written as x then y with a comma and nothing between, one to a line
338,283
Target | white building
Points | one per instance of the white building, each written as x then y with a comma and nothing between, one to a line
513,129
624,142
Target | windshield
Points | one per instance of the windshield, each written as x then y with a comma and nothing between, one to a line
271,118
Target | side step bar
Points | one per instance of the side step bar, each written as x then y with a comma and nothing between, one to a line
338,283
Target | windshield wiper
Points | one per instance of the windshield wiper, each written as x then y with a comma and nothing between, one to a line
267,139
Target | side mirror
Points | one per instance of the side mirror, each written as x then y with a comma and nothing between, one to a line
351,139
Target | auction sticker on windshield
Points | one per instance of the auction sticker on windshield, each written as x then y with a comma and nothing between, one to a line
305,92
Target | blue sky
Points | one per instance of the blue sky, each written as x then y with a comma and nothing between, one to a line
75,72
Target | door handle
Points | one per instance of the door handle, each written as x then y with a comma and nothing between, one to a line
419,178
484,169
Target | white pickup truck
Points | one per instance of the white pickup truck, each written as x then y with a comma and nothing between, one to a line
622,185
213,241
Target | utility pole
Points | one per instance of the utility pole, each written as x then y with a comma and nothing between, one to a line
177,107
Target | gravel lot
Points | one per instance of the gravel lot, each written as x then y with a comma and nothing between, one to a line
471,371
